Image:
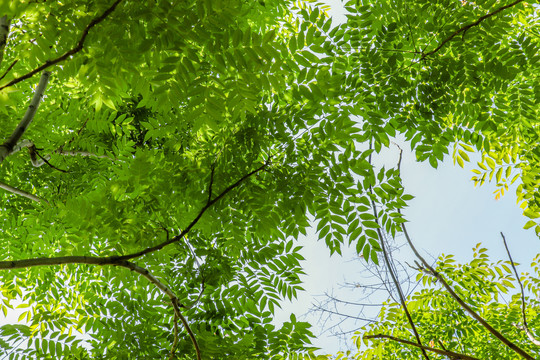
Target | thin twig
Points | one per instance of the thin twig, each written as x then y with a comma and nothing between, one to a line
395,280
448,353
467,27
188,329
9,69
525,326
174,300
68,53
210,185
46,161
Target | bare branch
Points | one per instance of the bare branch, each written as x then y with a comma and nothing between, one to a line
20,192
525,326
69,53
395,280
7,147
448,353
467,27
466,307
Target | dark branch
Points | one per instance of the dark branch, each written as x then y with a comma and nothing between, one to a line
174,300
197,218
467,27
8,69
33,150
458,299
395,280
188,329
525,326
448,353
211,183
69,53
122,260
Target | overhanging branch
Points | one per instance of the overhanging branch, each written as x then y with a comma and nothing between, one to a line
198,217
68,53
467,27
123,260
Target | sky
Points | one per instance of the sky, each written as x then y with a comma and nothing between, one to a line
448,215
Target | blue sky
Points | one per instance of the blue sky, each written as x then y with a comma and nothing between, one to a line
448,216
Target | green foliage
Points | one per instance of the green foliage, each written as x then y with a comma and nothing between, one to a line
490,288
209,134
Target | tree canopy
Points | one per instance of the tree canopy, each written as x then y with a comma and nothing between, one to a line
154,194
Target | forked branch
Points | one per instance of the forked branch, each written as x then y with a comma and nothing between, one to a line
395,280
174,301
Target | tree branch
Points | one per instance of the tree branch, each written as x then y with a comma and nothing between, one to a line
466,307
188,329
467,27
23,193
395,280
210,185
174,300
4,32
391,270
68,53
448,353
175,341
8,69
122,260
525,326
197,218
7,147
